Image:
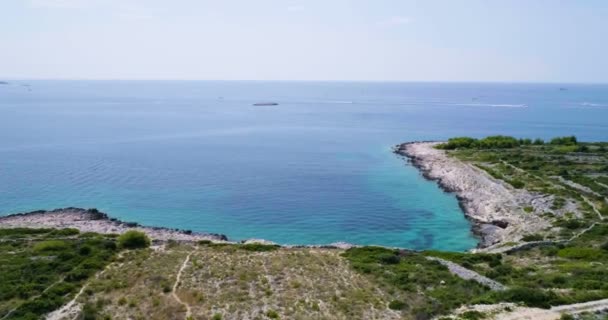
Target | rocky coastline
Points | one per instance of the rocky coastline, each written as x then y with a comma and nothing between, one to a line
93,220
494,208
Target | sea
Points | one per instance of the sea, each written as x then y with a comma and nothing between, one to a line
317,168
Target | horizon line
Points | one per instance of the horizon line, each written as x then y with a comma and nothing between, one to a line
8,79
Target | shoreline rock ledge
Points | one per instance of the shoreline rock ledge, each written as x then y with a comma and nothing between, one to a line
494,207
93,220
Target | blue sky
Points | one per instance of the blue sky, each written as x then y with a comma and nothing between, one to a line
379,40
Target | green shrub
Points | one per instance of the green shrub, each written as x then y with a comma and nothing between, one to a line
517,184
133,240
258,247
580,253
564,141
472,315
272,314
565,149
530,297
388,258
397,305
458,142
50,245
217,316
64,232
85,250
571,224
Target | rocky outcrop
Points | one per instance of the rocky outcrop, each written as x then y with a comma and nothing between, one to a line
92,220
495,208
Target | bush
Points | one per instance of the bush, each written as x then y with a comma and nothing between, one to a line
258,247
564,141
458,142
571,224
272,314
50,245
517,184
472,315
64,232
397,305
580,253
388,258
204,242
530,297
491,142
133,240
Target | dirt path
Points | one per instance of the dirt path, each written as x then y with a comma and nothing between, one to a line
468,274
554,313
590,306
593,206
176,284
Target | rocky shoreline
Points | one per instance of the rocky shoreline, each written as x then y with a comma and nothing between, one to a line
92,220
494,208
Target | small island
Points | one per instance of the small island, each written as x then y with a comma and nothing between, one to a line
266,104
538,207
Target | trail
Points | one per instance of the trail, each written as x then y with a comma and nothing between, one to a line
593,206
590,306
468,274
176,284
31,298
72,308
554,313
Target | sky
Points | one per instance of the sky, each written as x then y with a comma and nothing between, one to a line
353,40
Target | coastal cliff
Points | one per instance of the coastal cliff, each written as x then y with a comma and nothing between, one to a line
494,207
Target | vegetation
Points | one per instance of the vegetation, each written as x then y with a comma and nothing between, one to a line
427,286
507,142
40,272
133,240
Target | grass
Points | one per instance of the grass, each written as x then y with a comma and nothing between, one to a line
427,287
227,282
39,272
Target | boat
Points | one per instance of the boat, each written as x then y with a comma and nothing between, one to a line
266,104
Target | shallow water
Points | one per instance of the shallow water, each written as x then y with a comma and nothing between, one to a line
318,168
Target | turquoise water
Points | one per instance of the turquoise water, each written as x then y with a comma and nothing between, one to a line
316,169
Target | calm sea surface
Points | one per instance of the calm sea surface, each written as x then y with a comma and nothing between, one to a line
318,168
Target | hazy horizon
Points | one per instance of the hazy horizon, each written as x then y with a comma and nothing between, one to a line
272,40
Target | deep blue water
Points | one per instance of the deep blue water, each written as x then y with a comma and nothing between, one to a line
316,169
